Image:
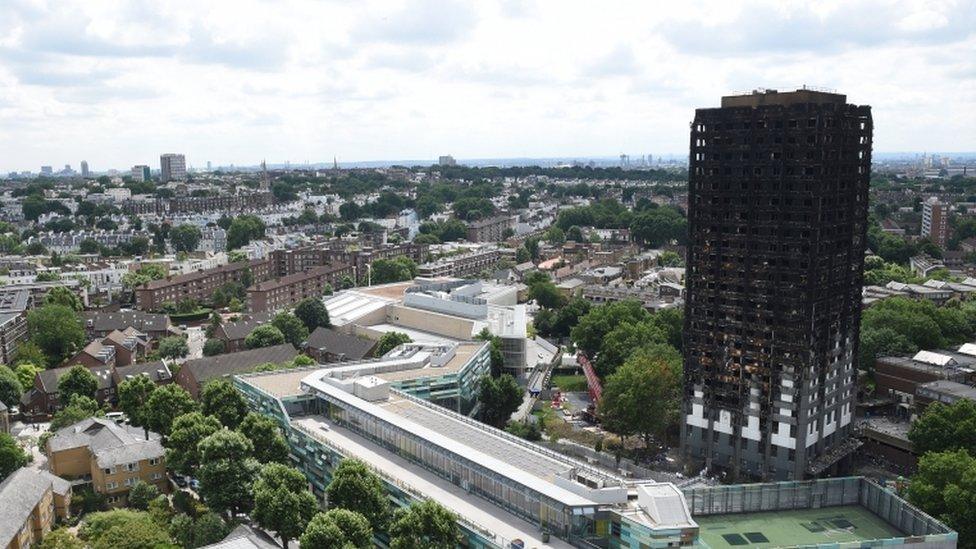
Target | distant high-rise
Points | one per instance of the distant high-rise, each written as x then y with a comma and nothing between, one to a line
141,173
209,166
172,167
84,169
777,210
446,160
935,221
47,170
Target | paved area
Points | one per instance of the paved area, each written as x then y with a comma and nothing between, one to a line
27,436
195,339
827,525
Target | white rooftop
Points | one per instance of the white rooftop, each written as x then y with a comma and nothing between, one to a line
936,359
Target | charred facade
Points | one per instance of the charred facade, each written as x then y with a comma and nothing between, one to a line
778,201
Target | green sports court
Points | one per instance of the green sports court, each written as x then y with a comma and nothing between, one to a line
827,525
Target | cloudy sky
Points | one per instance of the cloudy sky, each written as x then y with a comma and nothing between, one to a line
117,82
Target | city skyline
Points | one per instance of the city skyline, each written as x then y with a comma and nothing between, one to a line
118,87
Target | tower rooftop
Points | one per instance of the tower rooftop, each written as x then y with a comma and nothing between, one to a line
762,97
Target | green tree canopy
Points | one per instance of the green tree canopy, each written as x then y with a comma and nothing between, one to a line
62,538
134,395
222,400
391,340
499,398
282,501
141,494
78,408
165,404
588,334
10,387
401,268
264,335
945,487
291,328
356,488
182,445
12,456
266,437
57,331
227,472
337,529
312,313
61,295
623,340
214,347
173,347
945,427
185,238
243,229
77,381
643,396
123,529
423,525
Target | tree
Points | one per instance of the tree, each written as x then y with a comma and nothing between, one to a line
134,396
401,268
227,472
122,529
57,330
10,387
264,335
945,488
78,408
62,538
26,372
206,529
337,529
312,313
28,351
877,342
945,427
355,488
173,347
293,329
390,340
497,358
141,494
346,282
12,456
220,399
623,340
588,334
266,437
644,395
165,404
422,525
243,229
185,238
182,445
658,226
546,294
499,398
282,501
213,347
77,381
61,295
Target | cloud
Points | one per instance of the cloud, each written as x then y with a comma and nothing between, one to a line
418,22
767,28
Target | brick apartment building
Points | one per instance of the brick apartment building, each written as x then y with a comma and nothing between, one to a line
287,262
462,265
280,293
199,285
491,229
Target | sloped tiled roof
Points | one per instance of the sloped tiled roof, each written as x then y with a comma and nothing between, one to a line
354,348
111,444
20,493
212,367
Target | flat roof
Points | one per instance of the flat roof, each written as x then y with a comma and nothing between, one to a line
417,336
827,525
476,510
393,291
519,461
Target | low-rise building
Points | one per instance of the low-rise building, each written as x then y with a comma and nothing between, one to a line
281,293
31,502
13,332
328,345
466,264
153,326
110,456
200,285
492,229
194,374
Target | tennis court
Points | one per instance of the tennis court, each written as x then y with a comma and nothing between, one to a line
790,528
